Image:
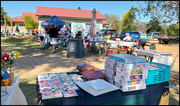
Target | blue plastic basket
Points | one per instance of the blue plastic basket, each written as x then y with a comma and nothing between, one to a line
158,75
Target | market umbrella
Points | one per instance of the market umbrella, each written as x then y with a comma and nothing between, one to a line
92,30
56,20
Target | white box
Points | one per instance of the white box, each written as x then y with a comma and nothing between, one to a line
130,87
112,73
130,71
108,72
109,65
110,60
131,77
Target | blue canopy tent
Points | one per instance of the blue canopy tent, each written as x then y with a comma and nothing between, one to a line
56,20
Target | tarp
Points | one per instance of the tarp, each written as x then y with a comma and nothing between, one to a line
56,20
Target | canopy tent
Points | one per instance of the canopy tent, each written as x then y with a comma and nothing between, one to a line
56,20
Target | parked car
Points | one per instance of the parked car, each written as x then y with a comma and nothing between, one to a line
133,34
108,33
156,36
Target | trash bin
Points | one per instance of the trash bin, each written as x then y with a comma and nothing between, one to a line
152,47
75,48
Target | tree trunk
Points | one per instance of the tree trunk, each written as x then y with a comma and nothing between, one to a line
5,25
11,27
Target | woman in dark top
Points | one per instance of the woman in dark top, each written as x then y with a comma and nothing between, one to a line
53,32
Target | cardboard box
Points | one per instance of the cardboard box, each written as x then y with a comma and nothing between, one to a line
130,87
108,72
125,87
131,69
111,51
122,51
112,73
109,60
9,81
126,58
109,65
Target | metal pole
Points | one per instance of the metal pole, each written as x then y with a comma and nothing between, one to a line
5,25
11,28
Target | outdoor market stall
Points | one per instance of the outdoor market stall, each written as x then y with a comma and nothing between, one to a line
149,96
126,80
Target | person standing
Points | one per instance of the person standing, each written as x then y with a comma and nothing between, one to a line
17,30
42,34
53,32
68,33
63,32
36,33
141,42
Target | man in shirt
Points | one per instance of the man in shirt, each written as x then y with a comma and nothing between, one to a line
36,33
42,34
141,42
63,32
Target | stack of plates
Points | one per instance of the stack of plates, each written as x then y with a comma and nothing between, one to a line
97,87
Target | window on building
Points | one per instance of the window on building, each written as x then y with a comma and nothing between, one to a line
87,27
21,25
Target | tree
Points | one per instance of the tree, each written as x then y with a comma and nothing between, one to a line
173,30
114,22
129,21
8,20
79,8
2,15
30,23
142,27
154,26
167,11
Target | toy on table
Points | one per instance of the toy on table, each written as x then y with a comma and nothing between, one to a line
55,80
72,87
47,94
57,93
56,84
43,81
60,88
63,79
70,93
43,78
45,90
54,77
68,83
47,85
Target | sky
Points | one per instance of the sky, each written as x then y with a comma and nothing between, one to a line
15,8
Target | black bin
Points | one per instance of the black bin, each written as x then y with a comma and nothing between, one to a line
75,48
152,47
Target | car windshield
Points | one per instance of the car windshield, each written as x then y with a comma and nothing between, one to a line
156,34
101,31
112,32
149,34
134,32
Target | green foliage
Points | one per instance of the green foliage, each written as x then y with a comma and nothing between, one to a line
167,11
129,21
79,8
173,30
2,15
114,22
8,20
154,26
30,23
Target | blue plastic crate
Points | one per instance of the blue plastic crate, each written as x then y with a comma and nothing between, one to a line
158,75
